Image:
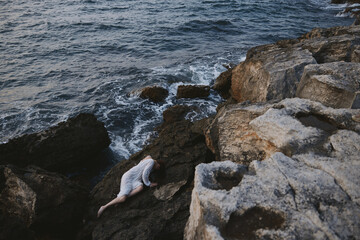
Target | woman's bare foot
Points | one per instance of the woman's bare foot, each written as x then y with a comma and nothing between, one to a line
101,210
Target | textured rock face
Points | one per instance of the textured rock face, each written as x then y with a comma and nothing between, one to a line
241,133
155,94
269,72
67,146
333,84
230,137
301,202
333,44
47,204
272,72
159,213
312,193
176,113
193,91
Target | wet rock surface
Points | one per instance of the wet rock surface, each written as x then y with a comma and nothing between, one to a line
176,113
47,205
154,94
69,146
193,91
159,213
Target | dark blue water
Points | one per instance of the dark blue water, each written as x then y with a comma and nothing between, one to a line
59,57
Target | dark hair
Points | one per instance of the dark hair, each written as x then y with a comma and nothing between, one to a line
158,175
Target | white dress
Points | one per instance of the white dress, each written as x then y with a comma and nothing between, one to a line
132,178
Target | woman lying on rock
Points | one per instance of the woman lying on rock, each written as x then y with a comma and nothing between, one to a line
131,181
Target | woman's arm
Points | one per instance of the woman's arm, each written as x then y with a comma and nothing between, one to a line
146,173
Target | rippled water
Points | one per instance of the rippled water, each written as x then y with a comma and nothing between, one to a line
59,58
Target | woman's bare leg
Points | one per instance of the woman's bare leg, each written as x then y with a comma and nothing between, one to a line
136,190
112,202
119,200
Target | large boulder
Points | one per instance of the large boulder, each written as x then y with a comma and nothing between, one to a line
273,71
332,44
159,213
47,205
243,133
308,189
278,198
269,72
333,84
193,91
69,145
230,137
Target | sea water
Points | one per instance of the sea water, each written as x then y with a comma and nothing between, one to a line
60,58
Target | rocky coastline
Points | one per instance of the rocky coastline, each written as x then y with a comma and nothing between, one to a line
279,160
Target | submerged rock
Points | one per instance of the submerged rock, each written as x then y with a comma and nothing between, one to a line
47,204
69,145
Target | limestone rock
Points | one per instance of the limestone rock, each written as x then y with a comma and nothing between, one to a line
278,198
297,125
69,145
272,72
312,193
333,84
243,133
47,203
328,48
155,94
230,137
193,91
269,72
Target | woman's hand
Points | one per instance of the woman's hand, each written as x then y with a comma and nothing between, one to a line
153,184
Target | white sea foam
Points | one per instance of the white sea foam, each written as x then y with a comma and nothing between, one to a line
119,146
335,6
354,5
242,59
343,14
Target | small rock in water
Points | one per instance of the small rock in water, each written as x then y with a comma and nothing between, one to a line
154,94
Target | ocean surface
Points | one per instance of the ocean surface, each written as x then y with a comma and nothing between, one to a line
59,57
